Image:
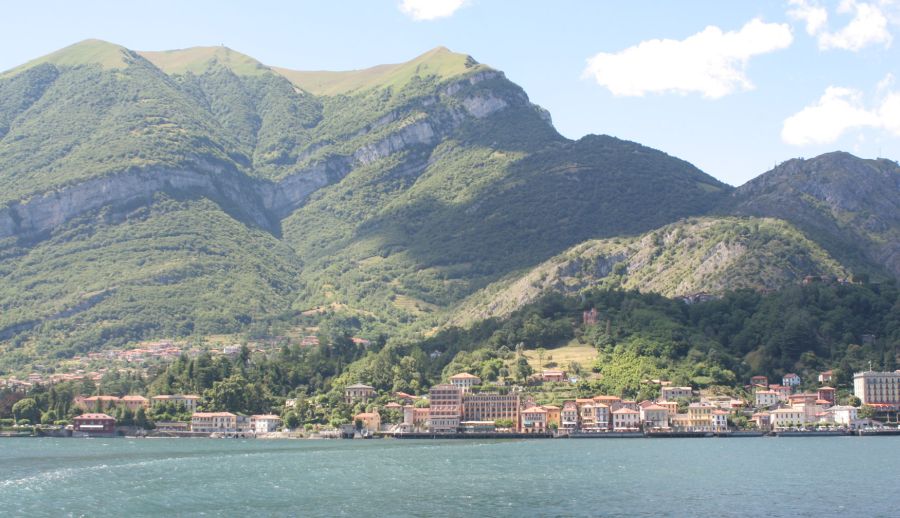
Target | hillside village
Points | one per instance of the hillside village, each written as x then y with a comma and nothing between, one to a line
466,406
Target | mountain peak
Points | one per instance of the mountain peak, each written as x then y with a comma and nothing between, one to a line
439,62
87,52
199,59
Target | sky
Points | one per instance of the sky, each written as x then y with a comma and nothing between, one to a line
733,87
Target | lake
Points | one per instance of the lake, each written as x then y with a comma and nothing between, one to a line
819,476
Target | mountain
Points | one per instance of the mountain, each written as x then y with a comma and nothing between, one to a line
849,205
696,256
198,191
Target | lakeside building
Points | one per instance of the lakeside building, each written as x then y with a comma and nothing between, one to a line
880,389
370,421
189,401
172,426
464,381
719,420
553,416
358,392
445,408
490,406
844,415
214,422
265,423
626,420
134,402
784,418
655,416
671,406
534,420
763,420
98,423
673,393
612,402
568,416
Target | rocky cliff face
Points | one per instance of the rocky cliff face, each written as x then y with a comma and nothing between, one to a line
850,205
262,202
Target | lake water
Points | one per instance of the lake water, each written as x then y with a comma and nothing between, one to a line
826,476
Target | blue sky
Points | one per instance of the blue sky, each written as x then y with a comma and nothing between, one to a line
733,87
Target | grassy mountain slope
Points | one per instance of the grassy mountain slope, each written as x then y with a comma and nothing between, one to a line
147,194
179,266
849,205
711,255
439,63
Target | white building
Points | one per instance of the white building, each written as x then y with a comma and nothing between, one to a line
787,417
878,388
464,381
264,423
844,415
655,416
790,380
626,420
719,421
766,398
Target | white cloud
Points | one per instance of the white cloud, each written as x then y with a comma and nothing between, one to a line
868,25
815,16
838,111
421,10
710,62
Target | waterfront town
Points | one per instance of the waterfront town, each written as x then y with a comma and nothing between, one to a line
464,406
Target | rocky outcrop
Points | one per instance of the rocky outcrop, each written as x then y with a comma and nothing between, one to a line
262,202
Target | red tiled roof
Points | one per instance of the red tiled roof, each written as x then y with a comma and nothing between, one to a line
93,416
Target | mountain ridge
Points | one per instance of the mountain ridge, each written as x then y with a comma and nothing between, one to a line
393,193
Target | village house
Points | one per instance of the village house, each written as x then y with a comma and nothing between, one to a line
464,381
534,420
614,403
214,422
671,406
554,418
266,423
790,380
568,417
785,418
719,420
553,376
98,423
370,421
826,394
626,420
826,377
673,393
654,417
844,415
134,402
762,420
784,392
96,403
586,417
700,417
759,381
189,402
766,398
358,392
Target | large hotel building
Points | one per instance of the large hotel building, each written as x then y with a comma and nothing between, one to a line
877,388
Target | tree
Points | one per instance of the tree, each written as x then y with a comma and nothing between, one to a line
291,420
541,352
141,421
49,417
523,369
867,412
26,409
